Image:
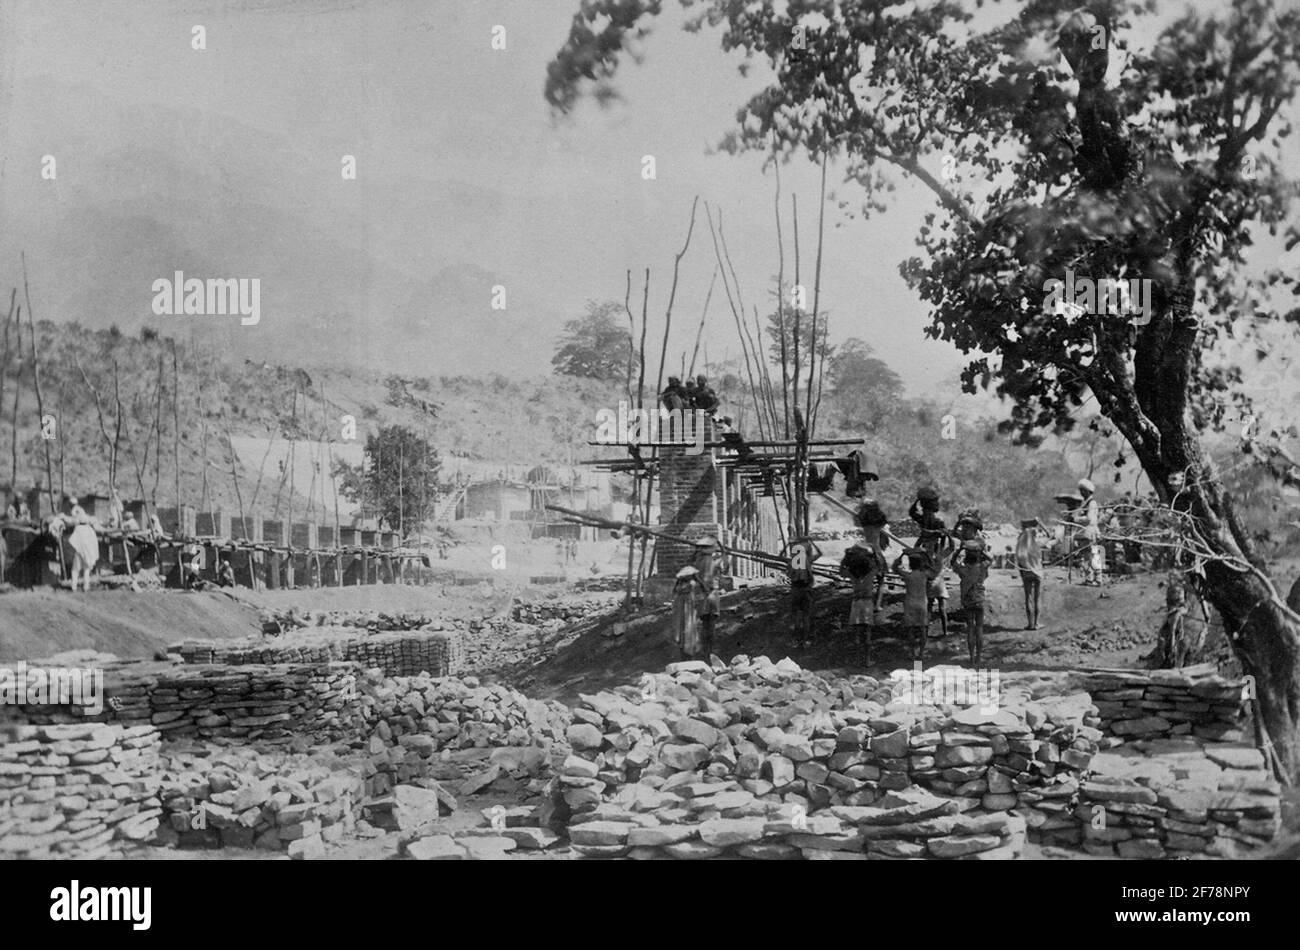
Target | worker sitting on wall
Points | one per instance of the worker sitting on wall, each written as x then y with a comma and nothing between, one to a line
705,398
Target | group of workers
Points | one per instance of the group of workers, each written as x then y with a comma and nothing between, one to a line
81,531
696,394
921,566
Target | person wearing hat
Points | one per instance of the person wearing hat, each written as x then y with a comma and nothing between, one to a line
710,567
971,564
1088,517
800,555
688,597
1029,561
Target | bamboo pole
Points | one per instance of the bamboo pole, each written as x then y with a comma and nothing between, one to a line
4,352
817,289
176,424
18,388
753,388
780,295
36,381
700,332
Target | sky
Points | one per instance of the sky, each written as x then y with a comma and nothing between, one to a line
226,162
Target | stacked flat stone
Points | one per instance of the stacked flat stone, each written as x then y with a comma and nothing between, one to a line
257,803
374,621
563,610
720,819
1183,797
439,653
71,791
1162,703
458,712
246,702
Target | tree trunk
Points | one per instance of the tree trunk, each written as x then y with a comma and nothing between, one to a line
1264,633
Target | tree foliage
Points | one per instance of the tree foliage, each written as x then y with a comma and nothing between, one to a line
594,346
398,481
863,389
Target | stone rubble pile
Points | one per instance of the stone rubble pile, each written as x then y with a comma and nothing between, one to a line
458,712
1150,704
756,743
242,799
70,791
457,730
760,743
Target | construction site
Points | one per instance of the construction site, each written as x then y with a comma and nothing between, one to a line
717,569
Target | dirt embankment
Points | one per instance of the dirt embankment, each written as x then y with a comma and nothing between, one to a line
137,624
129,624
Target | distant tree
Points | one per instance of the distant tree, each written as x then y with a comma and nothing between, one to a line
805,340
595,346
863,387
398,480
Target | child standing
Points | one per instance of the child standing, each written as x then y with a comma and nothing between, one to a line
972,565
1029,561
801,553
916,613
863,567
935,541
875,534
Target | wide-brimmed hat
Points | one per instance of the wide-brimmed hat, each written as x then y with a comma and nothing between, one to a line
1030,523
706,544
1085,484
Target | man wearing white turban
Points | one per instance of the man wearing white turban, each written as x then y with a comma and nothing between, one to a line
1089,517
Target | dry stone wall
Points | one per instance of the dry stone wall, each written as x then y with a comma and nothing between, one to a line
762,759
72,791
439,653
252,703
1163,703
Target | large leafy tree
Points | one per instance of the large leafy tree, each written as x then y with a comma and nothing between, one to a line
1111,140
594,346
397,482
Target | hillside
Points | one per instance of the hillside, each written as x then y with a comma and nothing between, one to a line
523,421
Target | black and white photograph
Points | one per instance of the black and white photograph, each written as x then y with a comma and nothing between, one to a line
645,434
